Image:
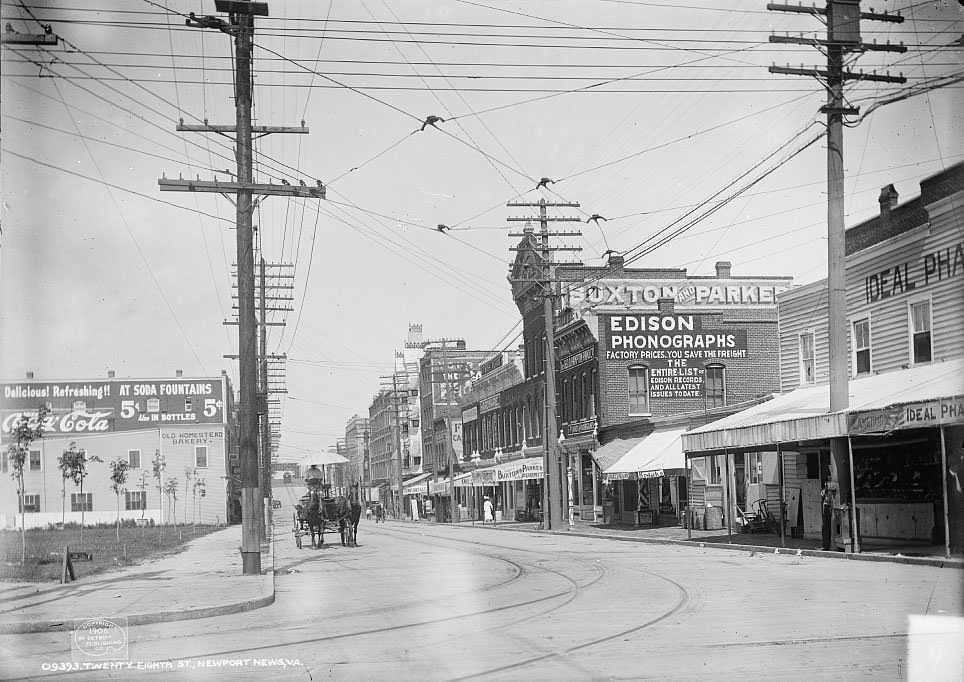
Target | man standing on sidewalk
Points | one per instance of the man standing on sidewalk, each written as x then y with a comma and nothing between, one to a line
487,514
829,497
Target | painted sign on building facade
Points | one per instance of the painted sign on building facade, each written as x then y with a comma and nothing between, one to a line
79,407
710,293
675,348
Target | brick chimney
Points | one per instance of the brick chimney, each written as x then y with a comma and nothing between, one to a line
616,262
110,374
667,306
179,373
723,269
888,202
30,375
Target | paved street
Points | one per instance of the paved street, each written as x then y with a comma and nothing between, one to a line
420,601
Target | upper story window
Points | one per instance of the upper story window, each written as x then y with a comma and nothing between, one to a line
715,386
807,359
153,405
920,331
35,462
201,456
861,346
134,459
80,406
639,390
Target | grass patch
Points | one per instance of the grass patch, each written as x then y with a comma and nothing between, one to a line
45,548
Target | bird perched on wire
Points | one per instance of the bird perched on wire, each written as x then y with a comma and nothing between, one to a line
432,120
302,183
284,182
442,228
595,217
545,182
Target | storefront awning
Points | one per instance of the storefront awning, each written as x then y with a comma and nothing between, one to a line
918,397
464,480
610,453
658,454
415,485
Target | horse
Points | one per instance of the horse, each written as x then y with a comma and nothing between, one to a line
349,524
315,520
379,514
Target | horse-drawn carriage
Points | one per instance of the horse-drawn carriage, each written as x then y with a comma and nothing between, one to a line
318,512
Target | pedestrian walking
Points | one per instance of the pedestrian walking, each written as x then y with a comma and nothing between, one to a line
487,513
829,497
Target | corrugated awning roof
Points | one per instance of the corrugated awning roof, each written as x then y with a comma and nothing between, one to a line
610,453
660,451
413,482
804,414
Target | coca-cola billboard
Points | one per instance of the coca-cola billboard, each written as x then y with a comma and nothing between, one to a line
92,407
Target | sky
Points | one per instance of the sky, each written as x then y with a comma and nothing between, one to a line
649,114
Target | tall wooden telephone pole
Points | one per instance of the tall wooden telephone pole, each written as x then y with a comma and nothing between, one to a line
556,493
240,25
843,37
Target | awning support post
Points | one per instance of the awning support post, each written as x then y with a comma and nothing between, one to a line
947,522
689,499
783,498
854,542
726,497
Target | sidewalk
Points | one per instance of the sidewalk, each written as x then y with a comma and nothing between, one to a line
719,539
202,580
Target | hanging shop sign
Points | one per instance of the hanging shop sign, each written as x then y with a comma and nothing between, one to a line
674,347
576,359
80,407
439,487
521,470
580,427
489,403
914,416
470,415
484,476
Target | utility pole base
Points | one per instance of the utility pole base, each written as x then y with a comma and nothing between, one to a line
251,563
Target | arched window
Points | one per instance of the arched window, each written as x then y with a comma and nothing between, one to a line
583,395
592,393
566,397
715,386
638,389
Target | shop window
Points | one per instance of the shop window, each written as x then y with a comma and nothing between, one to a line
31,504
135,499
134,459
920,322
715,464
35,461
639,390
807,359
715,387
201,456
81,502
861,344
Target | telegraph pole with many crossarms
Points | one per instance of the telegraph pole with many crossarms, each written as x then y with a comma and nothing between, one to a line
843,37
556,493
240,26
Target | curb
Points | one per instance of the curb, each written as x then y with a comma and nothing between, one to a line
936,562
65,625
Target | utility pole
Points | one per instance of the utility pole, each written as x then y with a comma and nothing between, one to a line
240,25
556,493
843,37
